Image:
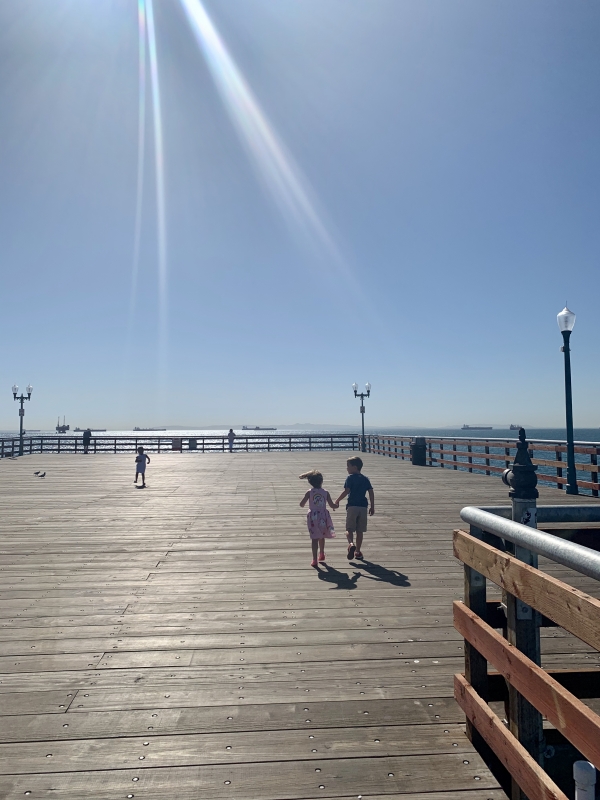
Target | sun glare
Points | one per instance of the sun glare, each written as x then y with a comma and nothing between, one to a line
275,166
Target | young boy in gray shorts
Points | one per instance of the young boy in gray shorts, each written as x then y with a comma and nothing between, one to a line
356,487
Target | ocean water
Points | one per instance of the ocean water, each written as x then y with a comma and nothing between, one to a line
587,435
547,435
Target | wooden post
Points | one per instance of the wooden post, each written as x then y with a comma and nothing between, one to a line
454,458
523,627
487,461
442,455
476,669
559,472
594,463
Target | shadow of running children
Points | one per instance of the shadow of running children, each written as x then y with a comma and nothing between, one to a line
341,579
379,573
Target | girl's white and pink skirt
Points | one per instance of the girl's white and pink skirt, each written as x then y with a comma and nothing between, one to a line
320,525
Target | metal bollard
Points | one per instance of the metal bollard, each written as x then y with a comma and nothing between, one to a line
584,774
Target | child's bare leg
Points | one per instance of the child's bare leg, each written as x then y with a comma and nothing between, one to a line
351,548
315,547
322,545
136,477
359,541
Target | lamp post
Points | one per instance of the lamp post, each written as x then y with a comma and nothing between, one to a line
21,399
566,323
362,396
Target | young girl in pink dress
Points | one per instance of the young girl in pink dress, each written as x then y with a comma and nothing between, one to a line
318,519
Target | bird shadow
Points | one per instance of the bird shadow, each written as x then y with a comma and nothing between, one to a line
383,574
341,579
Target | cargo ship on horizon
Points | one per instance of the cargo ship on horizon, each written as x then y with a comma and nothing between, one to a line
476,428
148,429
256,428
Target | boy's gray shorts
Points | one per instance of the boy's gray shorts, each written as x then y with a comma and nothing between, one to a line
356,519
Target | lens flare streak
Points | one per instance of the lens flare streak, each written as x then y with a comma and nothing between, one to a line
137,236
274,165
161,226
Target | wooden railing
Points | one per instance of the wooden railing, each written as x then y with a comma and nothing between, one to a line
393,446
493,456
9,447
530,693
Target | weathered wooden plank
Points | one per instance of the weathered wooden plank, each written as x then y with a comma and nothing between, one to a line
532,779
264,781
235,718
574,610
176,750
568,714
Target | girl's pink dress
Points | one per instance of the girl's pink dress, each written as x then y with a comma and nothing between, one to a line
318,519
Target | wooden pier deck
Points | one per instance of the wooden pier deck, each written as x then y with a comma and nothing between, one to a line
174,642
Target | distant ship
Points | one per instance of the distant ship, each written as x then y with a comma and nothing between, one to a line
93,430
62,428
515,427
476,428
257,428
149,429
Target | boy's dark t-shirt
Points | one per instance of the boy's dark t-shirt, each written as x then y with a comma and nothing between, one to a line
357,485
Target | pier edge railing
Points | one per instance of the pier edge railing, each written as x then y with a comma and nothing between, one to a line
9,447
555,694
492,456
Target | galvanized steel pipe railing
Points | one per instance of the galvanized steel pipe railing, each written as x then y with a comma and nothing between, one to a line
552,513
575,556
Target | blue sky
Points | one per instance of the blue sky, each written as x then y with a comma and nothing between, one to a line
448,153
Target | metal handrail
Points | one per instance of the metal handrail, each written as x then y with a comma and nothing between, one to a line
575,556
552,513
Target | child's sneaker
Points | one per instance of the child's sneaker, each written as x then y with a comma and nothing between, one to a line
313,563
322,557
351,552
358,554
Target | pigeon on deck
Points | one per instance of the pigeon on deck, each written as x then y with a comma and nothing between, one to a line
43,475
37,473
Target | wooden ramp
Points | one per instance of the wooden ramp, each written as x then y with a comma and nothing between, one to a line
174,642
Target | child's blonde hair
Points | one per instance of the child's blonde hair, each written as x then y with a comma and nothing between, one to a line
314,477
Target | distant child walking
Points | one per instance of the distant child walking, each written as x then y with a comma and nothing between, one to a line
318,519
140,466
356,487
